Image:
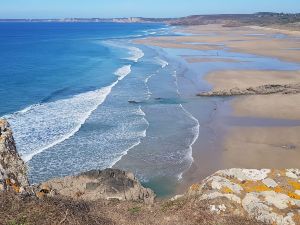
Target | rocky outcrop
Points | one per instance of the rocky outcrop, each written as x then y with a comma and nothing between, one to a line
107,184
92,185
269,196
13,171
260,90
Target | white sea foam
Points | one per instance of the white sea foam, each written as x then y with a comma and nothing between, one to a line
41,126
142,135
147,78
195,130
123,71
161,62
149,93
136,54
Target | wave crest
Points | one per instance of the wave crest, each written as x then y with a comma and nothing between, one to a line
136,54
123,71
41,126
161,62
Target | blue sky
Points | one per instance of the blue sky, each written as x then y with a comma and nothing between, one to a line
144,8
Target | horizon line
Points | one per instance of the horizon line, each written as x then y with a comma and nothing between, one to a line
107,18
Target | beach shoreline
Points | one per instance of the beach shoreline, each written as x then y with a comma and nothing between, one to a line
241,131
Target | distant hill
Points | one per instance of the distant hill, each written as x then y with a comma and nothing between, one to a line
261,19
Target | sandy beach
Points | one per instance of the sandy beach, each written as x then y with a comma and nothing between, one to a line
257,131
253,40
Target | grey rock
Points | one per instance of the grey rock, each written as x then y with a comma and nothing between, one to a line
101,184
13,171
260,90
268,195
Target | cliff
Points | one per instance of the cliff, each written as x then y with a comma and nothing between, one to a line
111,196
13,171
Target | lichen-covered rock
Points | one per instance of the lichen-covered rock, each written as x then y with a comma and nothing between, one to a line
269,196
13,171
96,184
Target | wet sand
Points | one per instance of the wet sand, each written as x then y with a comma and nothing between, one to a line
198,60
262,147
253,40
260,131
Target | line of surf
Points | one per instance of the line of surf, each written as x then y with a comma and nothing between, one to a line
195,131
136,143
135,52
141,112
161,62
42,126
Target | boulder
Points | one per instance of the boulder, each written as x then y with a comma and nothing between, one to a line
268,196
13,171
96,184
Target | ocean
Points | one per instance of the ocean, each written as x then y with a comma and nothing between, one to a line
82,96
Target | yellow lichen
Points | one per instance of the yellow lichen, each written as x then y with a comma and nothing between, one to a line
294,184
294,195
226,190
195,187
8,182
16,188
279,189
288,191
254,186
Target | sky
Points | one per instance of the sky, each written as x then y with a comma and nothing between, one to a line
138,8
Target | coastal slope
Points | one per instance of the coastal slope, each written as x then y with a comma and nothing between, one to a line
115,197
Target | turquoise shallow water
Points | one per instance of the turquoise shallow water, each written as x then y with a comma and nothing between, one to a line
71,87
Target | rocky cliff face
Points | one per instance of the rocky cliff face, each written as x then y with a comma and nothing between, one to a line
96,184
269,196
13,171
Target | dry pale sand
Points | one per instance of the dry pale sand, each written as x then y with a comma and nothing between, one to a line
277,106
266,146
279,29
250,78
281,48
253,40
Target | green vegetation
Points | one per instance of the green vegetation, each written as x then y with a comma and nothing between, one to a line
136,209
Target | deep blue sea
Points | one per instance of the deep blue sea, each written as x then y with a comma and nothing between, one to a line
80,96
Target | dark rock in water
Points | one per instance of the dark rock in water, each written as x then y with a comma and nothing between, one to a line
260,90
133,102
101,184
13,171
158,98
